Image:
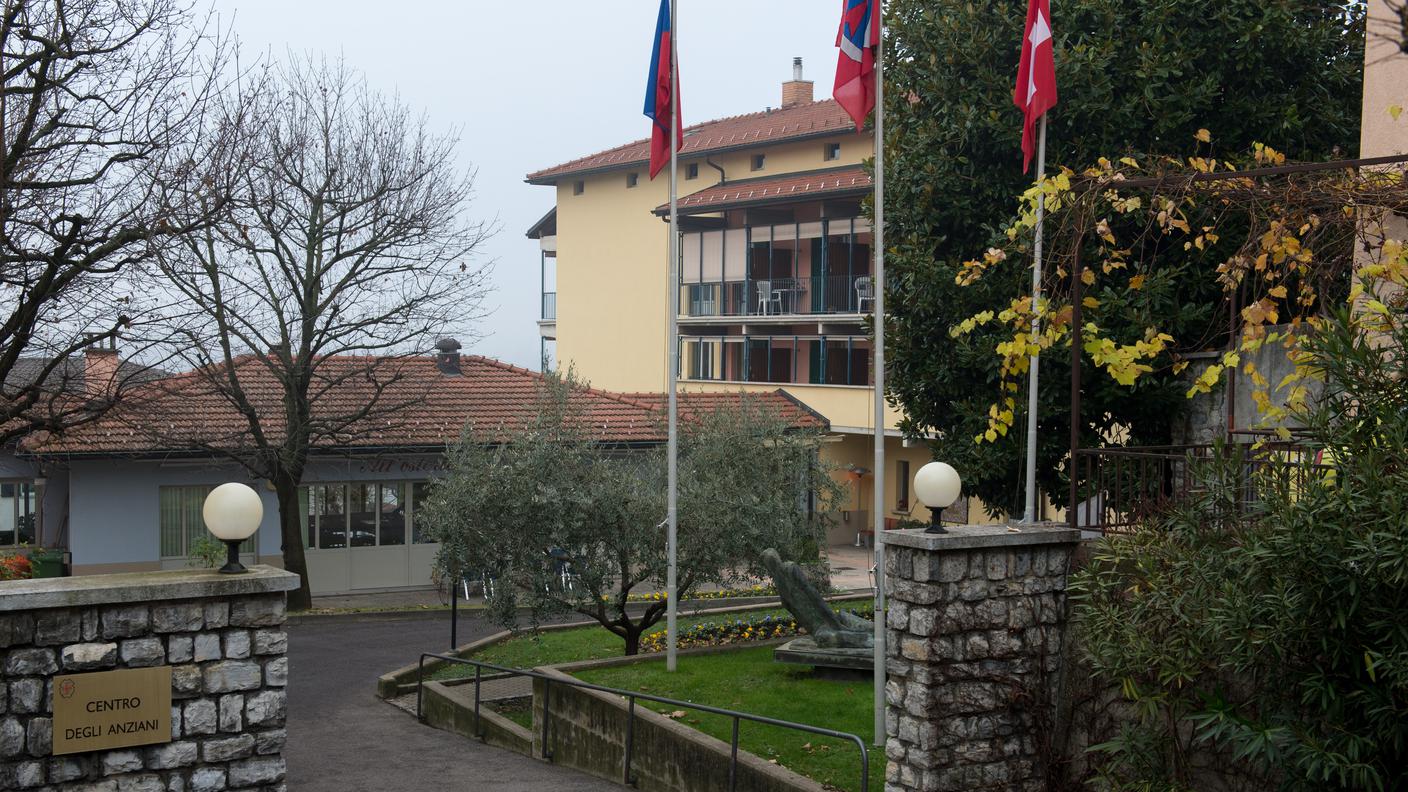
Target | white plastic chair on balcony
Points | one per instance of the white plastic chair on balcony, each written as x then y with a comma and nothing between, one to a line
768,297
865,290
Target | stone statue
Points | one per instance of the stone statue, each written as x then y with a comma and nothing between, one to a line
827,628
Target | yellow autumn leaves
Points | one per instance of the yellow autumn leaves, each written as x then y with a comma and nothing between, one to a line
1273,271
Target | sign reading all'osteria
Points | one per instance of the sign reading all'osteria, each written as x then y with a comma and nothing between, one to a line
112,709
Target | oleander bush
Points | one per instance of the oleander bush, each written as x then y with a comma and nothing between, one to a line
1266,645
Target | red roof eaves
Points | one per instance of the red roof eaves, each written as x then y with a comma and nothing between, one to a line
774,189
783,125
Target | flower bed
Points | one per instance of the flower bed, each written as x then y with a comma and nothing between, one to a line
724,632
759,590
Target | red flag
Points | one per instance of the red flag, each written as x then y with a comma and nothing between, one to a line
660,93
1036,75
858,39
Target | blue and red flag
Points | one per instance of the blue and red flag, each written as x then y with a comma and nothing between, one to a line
661,93
858,39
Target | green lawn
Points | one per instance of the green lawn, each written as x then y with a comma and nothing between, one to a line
566,646
750,681
519,710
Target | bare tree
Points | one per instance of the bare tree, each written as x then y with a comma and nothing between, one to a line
347,244
100,122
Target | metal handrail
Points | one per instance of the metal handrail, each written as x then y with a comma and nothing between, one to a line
1128,484
627,778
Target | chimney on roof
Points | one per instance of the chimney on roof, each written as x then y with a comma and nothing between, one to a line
100,365
796,91
447,356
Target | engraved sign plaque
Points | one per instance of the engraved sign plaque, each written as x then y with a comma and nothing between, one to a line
112,709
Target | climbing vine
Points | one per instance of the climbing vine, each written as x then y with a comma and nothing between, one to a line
1283,247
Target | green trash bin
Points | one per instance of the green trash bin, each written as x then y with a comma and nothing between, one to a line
47,563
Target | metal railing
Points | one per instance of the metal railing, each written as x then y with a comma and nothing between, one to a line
777,359
504,672
549,306
1124,487
816,294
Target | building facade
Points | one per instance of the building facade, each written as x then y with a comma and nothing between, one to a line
775,282
124,492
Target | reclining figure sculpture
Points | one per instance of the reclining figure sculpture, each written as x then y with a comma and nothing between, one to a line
829,629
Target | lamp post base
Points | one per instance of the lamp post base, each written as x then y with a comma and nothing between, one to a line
936,526
232,561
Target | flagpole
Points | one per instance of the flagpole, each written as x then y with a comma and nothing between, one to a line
671,514
879,487
1030,515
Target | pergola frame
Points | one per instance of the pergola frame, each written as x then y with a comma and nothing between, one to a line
1153,184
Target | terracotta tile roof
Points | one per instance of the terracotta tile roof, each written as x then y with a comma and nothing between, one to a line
768,127
784,404
810,185
421,408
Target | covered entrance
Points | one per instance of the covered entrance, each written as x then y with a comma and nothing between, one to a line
363,535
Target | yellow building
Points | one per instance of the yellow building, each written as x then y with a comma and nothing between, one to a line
775,275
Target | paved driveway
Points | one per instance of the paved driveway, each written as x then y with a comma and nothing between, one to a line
341,738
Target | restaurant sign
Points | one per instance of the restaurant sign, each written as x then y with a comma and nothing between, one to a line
112,709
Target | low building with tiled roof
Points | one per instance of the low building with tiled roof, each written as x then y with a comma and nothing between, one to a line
125,489
775,281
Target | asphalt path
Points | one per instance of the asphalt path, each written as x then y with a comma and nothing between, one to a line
342,738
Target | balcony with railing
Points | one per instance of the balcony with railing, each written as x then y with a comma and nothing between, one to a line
784,296
816,268
549,307
791,359
1121,488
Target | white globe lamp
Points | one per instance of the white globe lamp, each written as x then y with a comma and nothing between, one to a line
232,514
937,484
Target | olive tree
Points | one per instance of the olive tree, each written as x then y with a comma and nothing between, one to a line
517,504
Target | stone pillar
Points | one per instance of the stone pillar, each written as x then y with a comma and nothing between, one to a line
223,637
974,627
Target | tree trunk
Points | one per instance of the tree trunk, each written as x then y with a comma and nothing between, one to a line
291,532
632,641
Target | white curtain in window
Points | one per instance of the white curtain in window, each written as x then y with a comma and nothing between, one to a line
713,256
689,267
735,254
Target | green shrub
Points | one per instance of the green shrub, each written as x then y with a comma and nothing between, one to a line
1271,637
207,552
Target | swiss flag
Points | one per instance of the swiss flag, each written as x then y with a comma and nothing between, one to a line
1036,76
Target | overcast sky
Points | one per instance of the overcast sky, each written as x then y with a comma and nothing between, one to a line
532,83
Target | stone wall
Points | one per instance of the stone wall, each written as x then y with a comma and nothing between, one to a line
973,645
222,635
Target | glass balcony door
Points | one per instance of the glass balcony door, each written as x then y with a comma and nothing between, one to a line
817,267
